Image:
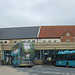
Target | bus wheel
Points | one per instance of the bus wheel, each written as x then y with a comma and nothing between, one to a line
29,66
67,64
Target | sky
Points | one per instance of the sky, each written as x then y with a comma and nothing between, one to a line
22,13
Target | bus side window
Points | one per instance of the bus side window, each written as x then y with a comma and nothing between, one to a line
13,57
17,57
73,56
68,57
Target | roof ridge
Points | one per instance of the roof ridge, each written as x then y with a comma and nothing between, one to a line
19,27
59,26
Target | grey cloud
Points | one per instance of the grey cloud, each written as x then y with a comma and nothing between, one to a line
36,12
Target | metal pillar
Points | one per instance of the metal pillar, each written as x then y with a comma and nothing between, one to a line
40,54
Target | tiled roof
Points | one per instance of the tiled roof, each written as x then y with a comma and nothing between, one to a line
55,31
19,32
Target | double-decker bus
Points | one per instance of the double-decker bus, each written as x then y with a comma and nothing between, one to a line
66,58
23,54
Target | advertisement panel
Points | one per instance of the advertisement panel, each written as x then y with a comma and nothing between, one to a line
27,51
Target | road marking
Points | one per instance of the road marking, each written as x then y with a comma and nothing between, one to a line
52,72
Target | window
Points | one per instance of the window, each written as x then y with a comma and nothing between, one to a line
1,41
49,41
33,40
44,41
7,51
67,40
15,41
17,57
54,40
68,57
73,56
37,54
61,57
24,40
28,40
5,41
13,58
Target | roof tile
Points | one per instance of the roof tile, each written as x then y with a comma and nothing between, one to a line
55,31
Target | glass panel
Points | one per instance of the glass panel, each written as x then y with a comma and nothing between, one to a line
1,41
15,41
45,51
33,40
17,57
37,54
54,40
44,41
73,56
49,41
5,41
28,40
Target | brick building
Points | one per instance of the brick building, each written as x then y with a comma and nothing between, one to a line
47,39
57,33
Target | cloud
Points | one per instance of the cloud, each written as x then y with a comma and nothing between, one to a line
36,12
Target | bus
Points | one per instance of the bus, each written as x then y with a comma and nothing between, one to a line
23,54
65,58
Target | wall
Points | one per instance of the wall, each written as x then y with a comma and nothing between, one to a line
50,40
17,40
65,37
54,45
4,41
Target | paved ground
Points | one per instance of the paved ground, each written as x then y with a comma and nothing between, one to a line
36,70
6,70
46,70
